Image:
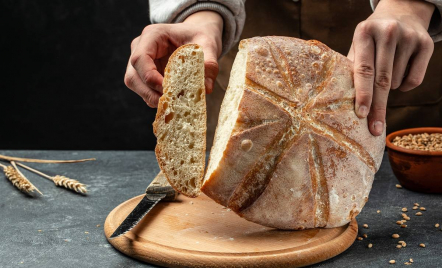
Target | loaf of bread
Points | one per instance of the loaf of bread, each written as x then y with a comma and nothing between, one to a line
289,151
180,123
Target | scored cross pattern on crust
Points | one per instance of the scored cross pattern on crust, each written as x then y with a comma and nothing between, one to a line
299,102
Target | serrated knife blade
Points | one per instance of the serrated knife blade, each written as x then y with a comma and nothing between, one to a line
158,190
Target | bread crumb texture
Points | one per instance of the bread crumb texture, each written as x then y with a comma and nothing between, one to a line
180,124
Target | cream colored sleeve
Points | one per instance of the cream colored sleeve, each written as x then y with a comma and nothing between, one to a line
174,11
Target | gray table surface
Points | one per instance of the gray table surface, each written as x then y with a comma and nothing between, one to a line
64,229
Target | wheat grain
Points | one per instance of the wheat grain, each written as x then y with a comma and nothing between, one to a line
18,180
69,184
60,180
12,175
424,141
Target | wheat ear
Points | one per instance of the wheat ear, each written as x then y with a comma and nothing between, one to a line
60,180
30,160
18,179
69,183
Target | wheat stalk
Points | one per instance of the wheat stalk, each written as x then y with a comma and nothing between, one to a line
61,181
30,160
18,179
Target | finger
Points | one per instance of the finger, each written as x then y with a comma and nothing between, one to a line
386,41
364,50
210,63
153,44
147,71
134,82
210,71
402,56
418,65
162,63
134,44
351,53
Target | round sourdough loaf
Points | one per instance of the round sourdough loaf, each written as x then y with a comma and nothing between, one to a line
289,150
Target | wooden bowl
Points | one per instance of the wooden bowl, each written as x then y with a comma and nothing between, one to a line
416,170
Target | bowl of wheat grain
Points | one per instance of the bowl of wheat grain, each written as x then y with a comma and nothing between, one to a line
416,158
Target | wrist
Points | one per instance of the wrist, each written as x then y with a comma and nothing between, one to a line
210,25
420,9
206,17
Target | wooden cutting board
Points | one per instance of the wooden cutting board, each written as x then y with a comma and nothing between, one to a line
198,232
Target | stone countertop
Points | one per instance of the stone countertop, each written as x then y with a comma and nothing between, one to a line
65,229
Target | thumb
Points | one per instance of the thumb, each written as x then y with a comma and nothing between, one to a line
210,65
351,53
210,72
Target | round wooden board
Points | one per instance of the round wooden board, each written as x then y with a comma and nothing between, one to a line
201,233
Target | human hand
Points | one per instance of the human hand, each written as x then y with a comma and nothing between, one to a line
392,41
151,50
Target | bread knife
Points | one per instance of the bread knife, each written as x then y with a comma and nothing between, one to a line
158,190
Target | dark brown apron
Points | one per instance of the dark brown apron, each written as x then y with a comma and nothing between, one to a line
333,23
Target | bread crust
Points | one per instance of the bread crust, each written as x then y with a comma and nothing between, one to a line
315,160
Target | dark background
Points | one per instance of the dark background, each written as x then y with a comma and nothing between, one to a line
63,64
62,69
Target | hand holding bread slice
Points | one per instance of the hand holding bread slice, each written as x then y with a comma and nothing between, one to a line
289,151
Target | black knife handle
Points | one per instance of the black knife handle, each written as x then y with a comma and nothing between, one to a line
160,185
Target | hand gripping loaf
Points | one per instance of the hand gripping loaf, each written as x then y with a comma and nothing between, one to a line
289,151
180,123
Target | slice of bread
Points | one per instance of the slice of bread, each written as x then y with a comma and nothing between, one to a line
180,123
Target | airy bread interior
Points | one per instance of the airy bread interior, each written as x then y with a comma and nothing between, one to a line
229,111
180,124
